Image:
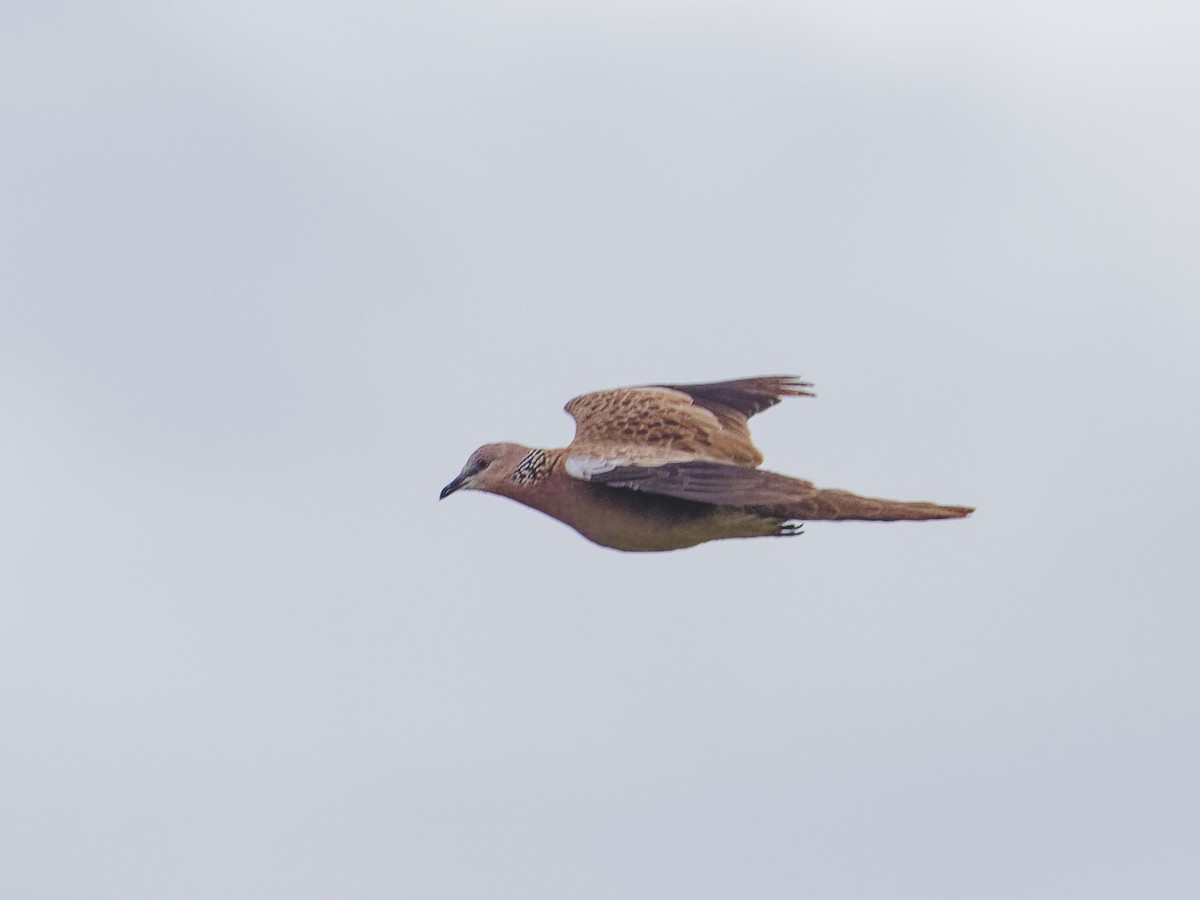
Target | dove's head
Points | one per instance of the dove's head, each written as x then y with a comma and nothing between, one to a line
490,468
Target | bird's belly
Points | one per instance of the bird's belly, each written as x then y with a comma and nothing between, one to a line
628,520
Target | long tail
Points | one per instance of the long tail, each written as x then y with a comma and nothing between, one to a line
834,504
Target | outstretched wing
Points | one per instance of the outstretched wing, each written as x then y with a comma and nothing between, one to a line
673,423
768,493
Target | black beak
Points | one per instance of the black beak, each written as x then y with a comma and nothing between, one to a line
451,487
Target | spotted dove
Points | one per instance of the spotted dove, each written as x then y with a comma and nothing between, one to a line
661,467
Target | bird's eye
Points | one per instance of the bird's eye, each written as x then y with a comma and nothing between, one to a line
482,464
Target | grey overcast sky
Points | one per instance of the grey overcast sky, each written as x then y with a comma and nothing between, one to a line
271,271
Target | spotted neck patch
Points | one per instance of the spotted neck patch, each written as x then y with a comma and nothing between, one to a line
535,466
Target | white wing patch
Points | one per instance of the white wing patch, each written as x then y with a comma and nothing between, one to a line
584,467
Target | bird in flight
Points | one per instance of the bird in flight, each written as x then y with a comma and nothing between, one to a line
667,466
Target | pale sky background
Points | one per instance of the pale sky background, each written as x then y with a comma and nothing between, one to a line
271,271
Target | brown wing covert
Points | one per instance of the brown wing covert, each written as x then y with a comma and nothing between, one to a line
676,423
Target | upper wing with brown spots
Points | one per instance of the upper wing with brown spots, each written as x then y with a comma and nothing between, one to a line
674,423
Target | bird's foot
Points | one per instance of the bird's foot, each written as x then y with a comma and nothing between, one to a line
791,528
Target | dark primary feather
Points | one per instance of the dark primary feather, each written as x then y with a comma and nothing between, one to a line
768,493
746,396
705,482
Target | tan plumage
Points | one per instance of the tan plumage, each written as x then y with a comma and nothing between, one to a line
661,467
661,423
